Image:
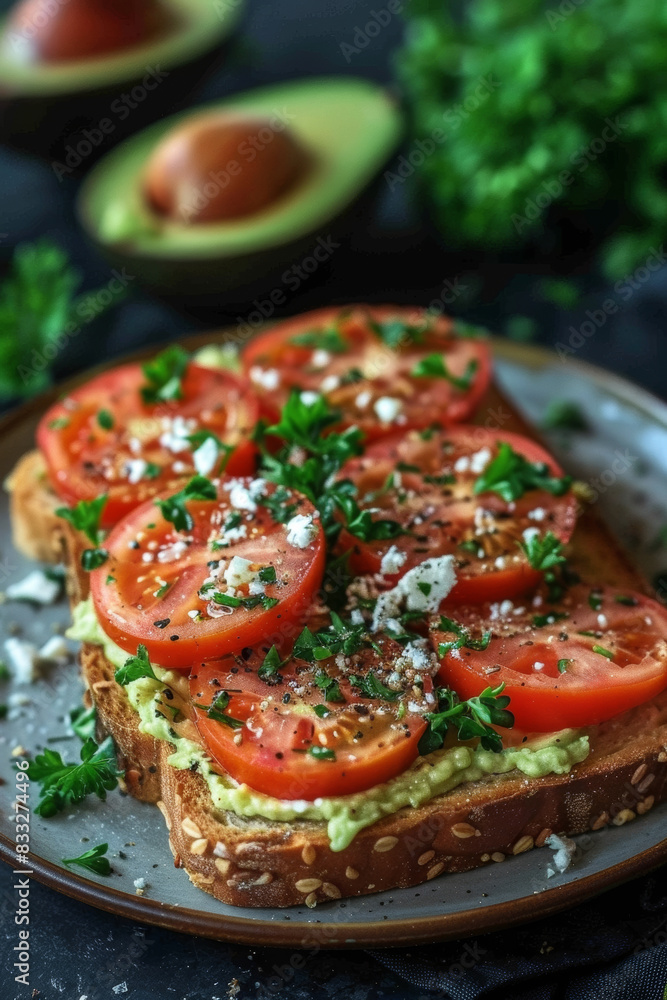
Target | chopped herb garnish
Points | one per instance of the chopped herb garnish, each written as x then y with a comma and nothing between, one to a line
85,517
603,652
372,687
396,333
360,522
135,667
321,711
270,666
471,719
510,475
226,600
463,637
216,711
162,590
105,420
543,552
110,579
471,546
329,687
164,375
93,860
562,666
93,558
152,471
339,637
330,340
595,600
434,366
549,618
631,602
321,753
352,376
63,785
83,721
447,479
173,508
267,574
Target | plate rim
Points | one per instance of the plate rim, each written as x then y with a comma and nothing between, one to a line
341,934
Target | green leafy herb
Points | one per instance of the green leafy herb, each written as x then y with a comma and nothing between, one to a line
321,753
631,602
549,618
161,591
93,860
85,517
564,415
38,313
471,546
339,637
361,524
463,637
216,711
329,687
352,376
82,721
446,479
248,603
135,667
372,687
330,340
434,366
93,558
543,551
396,333
510,475
174,507
321,711
562,665
164,375
603,652
471,719
267,574
270,666
63,785
105,420
595,600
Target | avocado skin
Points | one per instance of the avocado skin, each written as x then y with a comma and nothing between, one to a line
45,125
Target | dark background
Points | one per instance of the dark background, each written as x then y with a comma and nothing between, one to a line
82,952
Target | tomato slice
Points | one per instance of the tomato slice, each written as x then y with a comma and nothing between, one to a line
338,352
603,652
362,741
425,482
233,577
103,438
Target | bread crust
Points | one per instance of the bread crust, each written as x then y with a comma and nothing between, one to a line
257,863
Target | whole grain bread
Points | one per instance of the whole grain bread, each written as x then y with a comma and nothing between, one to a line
255,862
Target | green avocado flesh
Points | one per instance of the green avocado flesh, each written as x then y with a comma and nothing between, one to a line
346,815
200,26
349,126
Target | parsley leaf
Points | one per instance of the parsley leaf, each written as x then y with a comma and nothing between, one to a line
93,860
93,558
543,552
64,785
471,719
82,721
321,753
105,420
135,667
463,637
360,522
397,333
329,687
164,375
216,711
269,669
435,366
372,687
339,637
324,340
510,475
85,517
173,508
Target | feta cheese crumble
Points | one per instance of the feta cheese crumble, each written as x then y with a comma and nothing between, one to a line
135,470
206,456
239,572
387,409
423,588
392,561
36,587
267,378
301,531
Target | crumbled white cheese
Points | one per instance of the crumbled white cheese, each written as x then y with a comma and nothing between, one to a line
538,665
22,659
387,409
267,378
565,850
308,398
499,562
602,621
416,655
170,553
206,456
363,399
392,561
244,497
134,445
330,383
135,470
506,608
462,464
423,588
538,514
239,572
480,460
55,650
140,883
320,358
230,535
301,531
176,431
36,587
356,616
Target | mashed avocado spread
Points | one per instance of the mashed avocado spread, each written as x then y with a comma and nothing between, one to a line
346,815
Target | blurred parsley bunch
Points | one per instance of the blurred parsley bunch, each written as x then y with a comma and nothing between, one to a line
523,93
38,311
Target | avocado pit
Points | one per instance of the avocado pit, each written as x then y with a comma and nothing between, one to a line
222,166
58,31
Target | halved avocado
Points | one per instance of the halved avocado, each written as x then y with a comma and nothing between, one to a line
350,127
73,111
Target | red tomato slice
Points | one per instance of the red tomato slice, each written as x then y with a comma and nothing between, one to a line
367,742
373,385
103,438
186,596
427,486
577,670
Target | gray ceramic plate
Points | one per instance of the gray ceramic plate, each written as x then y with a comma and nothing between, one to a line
624,421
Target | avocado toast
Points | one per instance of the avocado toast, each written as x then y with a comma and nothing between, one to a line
481,805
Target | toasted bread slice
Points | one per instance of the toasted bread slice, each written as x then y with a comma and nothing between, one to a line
257,862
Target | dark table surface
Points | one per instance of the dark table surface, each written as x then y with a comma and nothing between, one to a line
80,952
